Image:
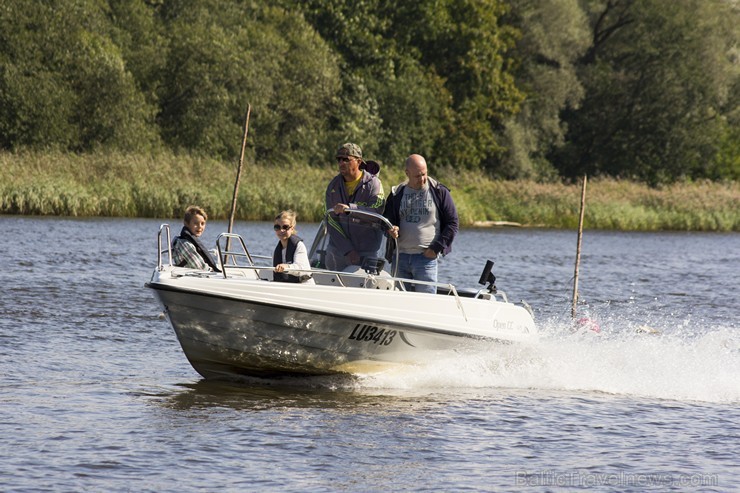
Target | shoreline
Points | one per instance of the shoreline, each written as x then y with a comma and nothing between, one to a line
136,185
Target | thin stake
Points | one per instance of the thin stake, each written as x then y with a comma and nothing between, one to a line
578,249
239,172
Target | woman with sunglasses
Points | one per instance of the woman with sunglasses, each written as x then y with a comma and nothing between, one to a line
290,252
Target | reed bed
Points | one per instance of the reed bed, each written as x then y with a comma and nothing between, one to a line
126,185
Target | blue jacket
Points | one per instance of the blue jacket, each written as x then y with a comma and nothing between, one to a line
442,243
344,235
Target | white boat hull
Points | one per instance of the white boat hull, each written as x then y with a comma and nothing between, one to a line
240,326
358,320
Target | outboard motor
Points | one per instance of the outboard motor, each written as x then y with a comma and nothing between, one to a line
488,277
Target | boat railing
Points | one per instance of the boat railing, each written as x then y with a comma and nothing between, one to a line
485,294
161,250
450,289
228,257
363,277
264,258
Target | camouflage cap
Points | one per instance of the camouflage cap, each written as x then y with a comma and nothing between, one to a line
349,149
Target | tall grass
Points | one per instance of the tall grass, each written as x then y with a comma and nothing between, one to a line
111,184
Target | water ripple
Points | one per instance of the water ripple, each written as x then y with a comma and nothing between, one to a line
97,395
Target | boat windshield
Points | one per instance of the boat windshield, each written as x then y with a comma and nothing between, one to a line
367,233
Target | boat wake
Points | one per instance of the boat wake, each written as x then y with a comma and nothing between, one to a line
680,364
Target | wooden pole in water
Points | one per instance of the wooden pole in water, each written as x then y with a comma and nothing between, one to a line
578,248
239,171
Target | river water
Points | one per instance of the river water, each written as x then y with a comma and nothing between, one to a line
96,394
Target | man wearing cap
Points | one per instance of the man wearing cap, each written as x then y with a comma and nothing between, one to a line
353,188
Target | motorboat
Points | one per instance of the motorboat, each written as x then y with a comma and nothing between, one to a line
359,320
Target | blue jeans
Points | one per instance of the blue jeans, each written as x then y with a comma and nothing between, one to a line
416,266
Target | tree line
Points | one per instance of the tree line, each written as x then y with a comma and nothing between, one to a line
641,89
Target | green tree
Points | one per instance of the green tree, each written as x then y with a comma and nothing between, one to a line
438,73
413,105
64,83
370,110
468,45
35,109
658,86
554,36
138,33
224,55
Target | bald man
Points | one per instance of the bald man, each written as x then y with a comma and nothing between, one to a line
425,222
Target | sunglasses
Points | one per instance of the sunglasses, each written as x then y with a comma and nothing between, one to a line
343,159
284,227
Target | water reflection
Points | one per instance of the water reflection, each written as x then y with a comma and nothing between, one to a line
336,393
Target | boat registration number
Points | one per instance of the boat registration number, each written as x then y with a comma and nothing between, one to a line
371,333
